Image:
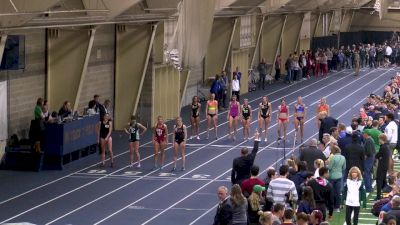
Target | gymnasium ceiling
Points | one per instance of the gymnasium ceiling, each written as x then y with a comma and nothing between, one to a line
53,13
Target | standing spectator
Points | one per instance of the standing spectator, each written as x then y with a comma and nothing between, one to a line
265,218
224,210
296,67
241,165
383,157
392,135
354,193
106,108
282,190
374,132
236,86
357,60
307,203
371,56
278,66
288,216
262,69
255,204
300,177
38,113
277,213
323,192
369,148
238,73
354,154
215,87
310,154
239,206
271,174
336,166
223,80
329,56
289,69
248,184
346,140
395,211
327,122
326,140
363,56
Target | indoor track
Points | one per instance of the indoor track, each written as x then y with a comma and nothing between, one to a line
85,194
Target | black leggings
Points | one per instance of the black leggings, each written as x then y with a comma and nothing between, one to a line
380,183
349,210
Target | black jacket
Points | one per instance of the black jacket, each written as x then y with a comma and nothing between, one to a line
323,193
310,154
326,124
224,213
241,166
395,212
354,154
383,157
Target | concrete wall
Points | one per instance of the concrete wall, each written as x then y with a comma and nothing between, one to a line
270,38
363,20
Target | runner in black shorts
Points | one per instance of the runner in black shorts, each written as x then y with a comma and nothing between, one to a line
179,138
264,116
133,130
195,117
246,118
300,111
104,130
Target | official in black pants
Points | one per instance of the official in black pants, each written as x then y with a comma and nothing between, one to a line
383,157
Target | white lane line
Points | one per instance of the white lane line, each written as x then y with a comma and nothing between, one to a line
195,151
125,152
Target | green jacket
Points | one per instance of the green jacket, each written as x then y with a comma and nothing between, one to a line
362,197
336,166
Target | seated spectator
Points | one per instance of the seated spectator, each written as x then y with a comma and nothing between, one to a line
265,218
53,117
92,108
65,110
247,185
395,211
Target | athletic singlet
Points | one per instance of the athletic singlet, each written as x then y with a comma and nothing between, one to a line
104,129
300,108
233,111
264,110
323,108
245,112
212,106
179,134
283,109
195,110
160,133
134,132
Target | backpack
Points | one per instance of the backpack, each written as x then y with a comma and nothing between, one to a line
376,208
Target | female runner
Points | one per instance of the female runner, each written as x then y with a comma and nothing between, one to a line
322,107
212,114
104,130
282,120
160,141
233,117
195,117
264,116
133,130
179,138
246,118
299,118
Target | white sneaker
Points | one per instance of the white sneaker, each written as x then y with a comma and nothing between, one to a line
138,165
131,165
265,140
198,137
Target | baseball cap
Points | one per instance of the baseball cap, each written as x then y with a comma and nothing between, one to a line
258,188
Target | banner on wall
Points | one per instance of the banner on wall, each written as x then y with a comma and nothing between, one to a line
3,111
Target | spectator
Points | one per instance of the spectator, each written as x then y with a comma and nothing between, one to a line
238,73
302,219
96,102
307,203
255,204
327,123
281,189
236,86
278,66
241,165
395,211
323,192
106,108
92,108
310,154
265,218
277,213
239,206
224,210
271,174
216,86
346,140
289,69
248,184
301,176
288,216
326,140
318,163
223,80
369,148
336,166
383,157
354,154
374,132
262,69
389,220
392,135
354,194
45,110
316,217
65,110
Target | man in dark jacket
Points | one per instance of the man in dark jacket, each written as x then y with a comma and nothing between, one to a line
323,192
300,177
354,154
310,154
369,148
327,123
383,157
224,210
346,140
241,165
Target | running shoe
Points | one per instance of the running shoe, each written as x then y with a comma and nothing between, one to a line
183,168
173,169
265,140
112,165
161,167
190,138
138,165
131,165
198,137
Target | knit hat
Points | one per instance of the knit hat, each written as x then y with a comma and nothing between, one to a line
258,188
